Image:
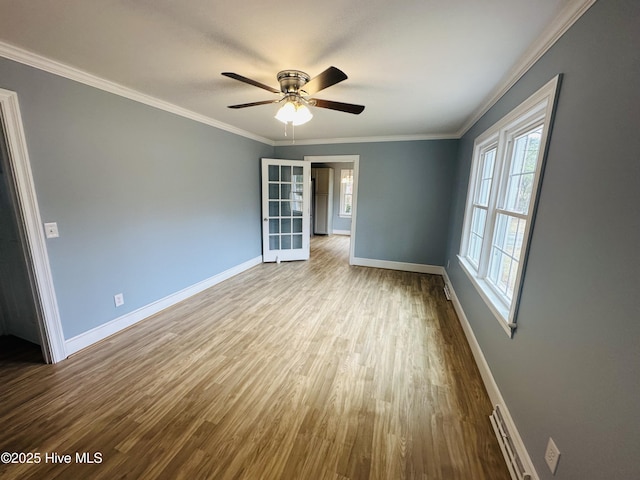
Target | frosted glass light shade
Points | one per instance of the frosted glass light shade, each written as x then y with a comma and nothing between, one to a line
303,115
292,112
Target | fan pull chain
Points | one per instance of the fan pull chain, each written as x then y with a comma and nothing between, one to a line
293,131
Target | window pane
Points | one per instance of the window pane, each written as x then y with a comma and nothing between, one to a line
502,273
297,225
286,225
296,205
273,190
478,221
505,253
273,173
477,233
475,245
348,200
297,241
522,173
285,190
346,191
285,209
285,174
485,178
510,234
274,226
274,242
286,242
274,209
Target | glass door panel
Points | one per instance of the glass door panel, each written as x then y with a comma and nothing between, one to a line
286,197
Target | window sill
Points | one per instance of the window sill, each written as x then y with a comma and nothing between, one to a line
499,309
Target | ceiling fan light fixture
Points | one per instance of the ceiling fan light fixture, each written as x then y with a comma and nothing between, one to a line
294,112
297,88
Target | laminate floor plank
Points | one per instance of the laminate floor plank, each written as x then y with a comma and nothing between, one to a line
300,370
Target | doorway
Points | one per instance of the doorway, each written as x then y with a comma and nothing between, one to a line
18,312
338,163
27,294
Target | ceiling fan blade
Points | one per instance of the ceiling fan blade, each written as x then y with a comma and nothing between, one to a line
342,107
253,104
255,83
329,77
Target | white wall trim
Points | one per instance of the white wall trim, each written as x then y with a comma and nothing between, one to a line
402,266
105,330
49,323
57,68
342,232
487,377
561,23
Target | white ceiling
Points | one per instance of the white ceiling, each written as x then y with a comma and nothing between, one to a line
423,68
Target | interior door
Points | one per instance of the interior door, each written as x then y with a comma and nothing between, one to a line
286,194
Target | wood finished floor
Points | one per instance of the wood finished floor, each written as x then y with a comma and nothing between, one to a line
305,370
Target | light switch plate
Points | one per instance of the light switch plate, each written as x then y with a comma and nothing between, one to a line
51,230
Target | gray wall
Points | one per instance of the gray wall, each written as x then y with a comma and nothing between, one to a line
572,371
147,202
404,196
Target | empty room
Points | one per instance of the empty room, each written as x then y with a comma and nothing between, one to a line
321,240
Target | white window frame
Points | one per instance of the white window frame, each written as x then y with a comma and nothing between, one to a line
535,111
342,213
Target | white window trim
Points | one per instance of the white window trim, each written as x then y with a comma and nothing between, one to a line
538,108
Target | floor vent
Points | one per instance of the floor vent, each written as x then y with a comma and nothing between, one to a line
518,472
447,292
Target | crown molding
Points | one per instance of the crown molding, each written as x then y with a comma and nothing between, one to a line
565,19
388,138
31,59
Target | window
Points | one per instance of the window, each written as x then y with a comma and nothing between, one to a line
346,192
505,176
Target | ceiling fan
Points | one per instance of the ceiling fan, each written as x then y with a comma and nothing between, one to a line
296,88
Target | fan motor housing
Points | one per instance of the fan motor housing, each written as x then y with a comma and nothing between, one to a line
292,81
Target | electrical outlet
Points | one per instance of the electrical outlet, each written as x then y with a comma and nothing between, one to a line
118,299
552,455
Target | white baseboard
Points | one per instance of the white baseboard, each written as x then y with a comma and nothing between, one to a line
487,377
342,232
403,266
105,330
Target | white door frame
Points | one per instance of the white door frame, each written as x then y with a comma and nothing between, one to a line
355,159
50,327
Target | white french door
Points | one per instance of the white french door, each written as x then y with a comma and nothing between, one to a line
286,195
